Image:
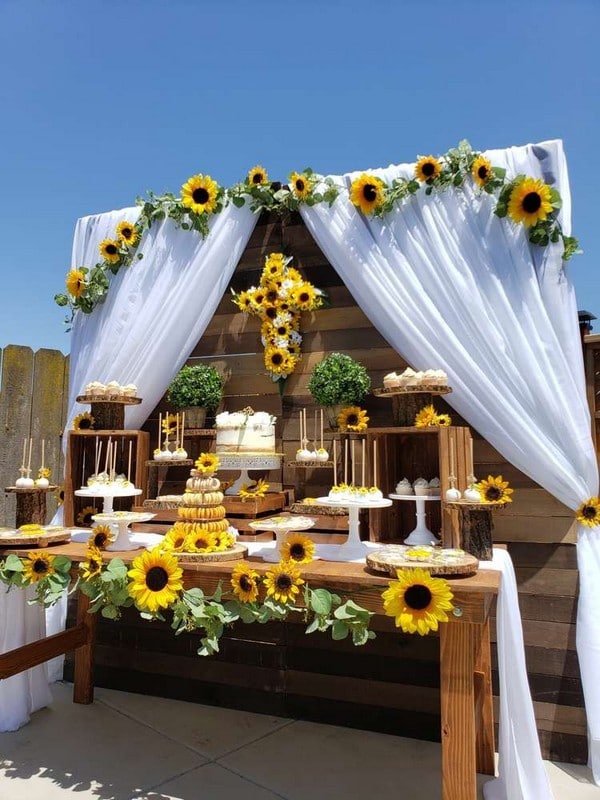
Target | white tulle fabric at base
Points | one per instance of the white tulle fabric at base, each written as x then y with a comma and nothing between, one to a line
24,693
452,286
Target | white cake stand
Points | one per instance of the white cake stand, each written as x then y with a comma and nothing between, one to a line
245,463
280,526
122,520
107,495
421,534
353,548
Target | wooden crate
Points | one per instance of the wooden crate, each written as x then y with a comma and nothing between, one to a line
81,449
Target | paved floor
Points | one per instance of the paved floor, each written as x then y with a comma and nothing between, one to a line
134,747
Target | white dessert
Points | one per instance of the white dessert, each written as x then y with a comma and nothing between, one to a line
322,454
406,376
452,495
404,487
472,495
391,381
239,432
434,486
304,455
428,377
113,389
179,454
130,390
42,483
374,495
441,379
95,389
421,486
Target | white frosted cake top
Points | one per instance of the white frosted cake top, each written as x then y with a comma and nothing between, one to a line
239,419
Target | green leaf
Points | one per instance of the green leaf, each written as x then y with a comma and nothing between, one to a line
14,564
110,612
339,631
238,201
314,626
320,601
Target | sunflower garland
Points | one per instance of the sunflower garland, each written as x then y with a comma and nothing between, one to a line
526,200
417,601
588,512
279,300
155,580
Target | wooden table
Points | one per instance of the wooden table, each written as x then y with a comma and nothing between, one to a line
467,729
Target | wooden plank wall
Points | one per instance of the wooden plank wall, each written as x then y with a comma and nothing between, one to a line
538,530
33,398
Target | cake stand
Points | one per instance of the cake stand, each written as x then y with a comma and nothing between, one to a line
421,534
122,520
353,548
280,526
107,495
245,463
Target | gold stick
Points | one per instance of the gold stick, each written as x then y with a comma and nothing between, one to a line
159,429
129,463
300,412
30,448
363,462
334,462
374,462
24,452
346,461
353,464
321,428
43,451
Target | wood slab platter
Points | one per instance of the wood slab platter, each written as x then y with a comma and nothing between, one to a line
441,561
9,537
109,398
421,389
234,553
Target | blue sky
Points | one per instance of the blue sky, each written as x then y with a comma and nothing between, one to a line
104,100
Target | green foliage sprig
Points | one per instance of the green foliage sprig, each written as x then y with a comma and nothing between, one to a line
48,589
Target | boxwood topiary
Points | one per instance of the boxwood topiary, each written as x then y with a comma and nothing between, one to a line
339,380
196,386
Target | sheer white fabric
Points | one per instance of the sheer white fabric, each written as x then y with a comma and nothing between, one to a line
24,693
156,309
450,285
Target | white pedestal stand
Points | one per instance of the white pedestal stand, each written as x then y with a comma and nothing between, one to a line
121,520
281,527
353,548
122,538
245,463
421,534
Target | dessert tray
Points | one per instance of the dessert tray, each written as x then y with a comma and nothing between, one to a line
436,560
280,525
48,535
109,398
122,520
422,388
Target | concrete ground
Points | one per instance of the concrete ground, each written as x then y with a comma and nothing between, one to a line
135,747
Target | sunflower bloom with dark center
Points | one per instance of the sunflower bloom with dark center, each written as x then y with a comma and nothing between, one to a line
101,536
244,582
481,170
75,283
588,512
417,601
109,250
83,422
301,185
155,580
37,565
494,490
283,582
257,176
367,193
200,194
427,169
353,418
298,548
85,516
529,202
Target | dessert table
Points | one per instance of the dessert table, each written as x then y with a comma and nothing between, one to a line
465,667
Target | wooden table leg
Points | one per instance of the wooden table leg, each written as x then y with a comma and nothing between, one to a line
484,704
457,664
83,682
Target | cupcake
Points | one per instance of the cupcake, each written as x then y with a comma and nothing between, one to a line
391,381
407,377
421,487
404,487
434,486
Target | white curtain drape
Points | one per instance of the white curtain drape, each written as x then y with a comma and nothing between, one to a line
450,285
156,309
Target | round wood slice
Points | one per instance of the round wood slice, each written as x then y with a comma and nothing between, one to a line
12,538
466,505
391,558
421,389
108,398
235,552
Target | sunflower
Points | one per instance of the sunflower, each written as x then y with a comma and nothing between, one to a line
258,299
257,176
494,490
298,548
155,580
353,418
199,542
244,301
223,540
59,495
529,202
100,536
301,185
207,463
169,424
481,170
272,271
271,290
109,250
417,601
427,168
588,513
244,581
200,194
304,296
83,422
269,311
367,193
127,234
92,566
283,329
44,472
75,283
428,417
38,565
260,488
283,582
278,361
85,516
174,539
276,260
